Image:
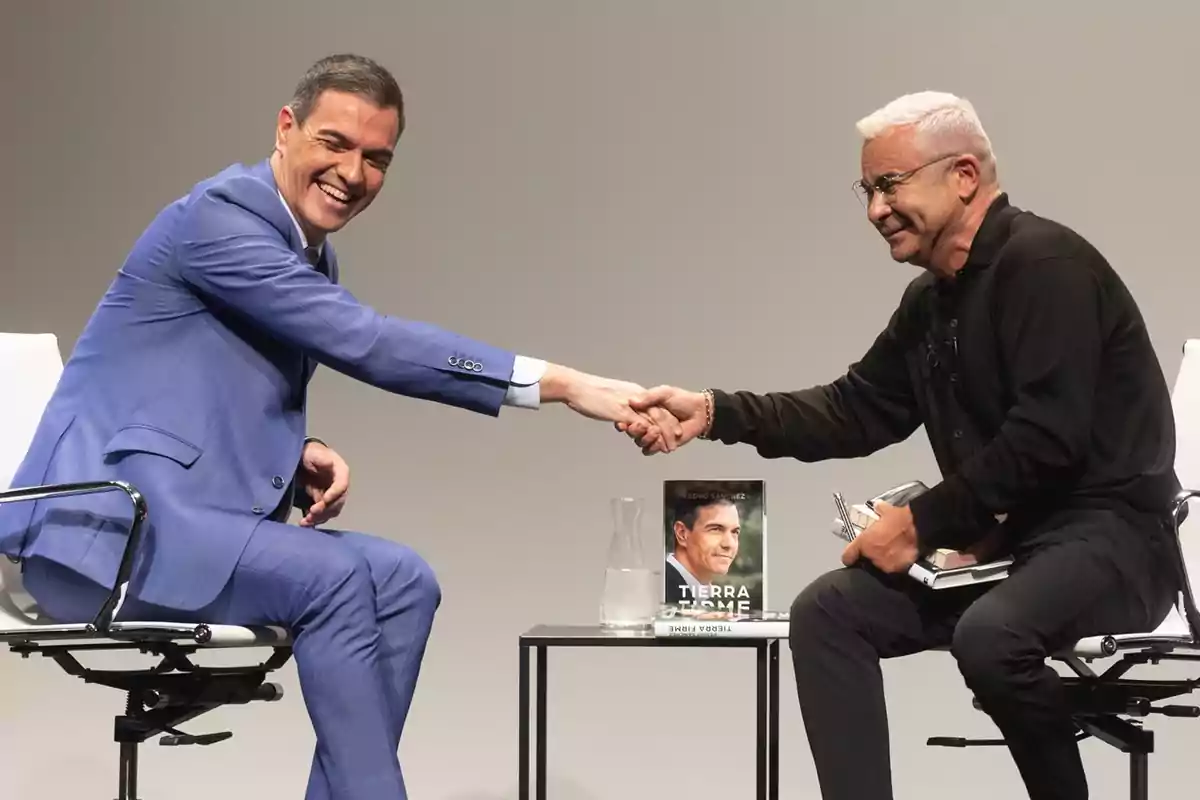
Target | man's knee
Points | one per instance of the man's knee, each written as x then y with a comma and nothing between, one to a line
993,656
406,579
424,585
343,578
403,578
826,602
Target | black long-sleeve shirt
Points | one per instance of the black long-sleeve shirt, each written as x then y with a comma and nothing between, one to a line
1031,370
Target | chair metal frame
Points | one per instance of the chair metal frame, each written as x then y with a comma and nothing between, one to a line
175,690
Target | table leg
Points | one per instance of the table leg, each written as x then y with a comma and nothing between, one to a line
523,723
541,723
773,726
760,755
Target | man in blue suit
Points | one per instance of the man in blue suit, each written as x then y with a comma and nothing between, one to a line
189,382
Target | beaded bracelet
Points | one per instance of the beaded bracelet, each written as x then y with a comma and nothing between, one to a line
708,414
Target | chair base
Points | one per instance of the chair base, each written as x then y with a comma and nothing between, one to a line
1107,707
160,698
1128,737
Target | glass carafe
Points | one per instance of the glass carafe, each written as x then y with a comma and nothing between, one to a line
632,590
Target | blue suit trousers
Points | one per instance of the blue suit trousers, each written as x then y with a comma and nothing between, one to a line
360,609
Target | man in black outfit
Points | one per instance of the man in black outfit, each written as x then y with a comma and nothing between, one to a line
1027,361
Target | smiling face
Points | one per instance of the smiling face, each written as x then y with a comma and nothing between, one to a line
331,165
710,545
915,194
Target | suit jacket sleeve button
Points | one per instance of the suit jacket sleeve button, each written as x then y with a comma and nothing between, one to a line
277,482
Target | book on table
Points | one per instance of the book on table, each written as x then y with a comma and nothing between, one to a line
675,621
715,545
944,568
715,560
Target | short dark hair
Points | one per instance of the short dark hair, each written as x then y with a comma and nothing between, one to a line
687,509
347,72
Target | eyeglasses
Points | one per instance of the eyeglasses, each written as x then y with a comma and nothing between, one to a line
886,184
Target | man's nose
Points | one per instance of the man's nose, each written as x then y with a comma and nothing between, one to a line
878,208
350,168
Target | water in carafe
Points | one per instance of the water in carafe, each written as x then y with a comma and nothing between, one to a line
633,574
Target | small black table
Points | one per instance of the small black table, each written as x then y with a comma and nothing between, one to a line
542,637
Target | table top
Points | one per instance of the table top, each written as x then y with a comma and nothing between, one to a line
597,636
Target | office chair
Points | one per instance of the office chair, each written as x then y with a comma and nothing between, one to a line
1108,705
160,697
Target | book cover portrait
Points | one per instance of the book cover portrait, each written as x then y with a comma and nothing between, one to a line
715,537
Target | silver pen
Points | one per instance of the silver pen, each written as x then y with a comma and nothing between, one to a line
845,515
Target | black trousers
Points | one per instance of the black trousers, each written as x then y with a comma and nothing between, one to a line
1083,573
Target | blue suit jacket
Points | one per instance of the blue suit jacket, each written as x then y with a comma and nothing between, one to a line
189,382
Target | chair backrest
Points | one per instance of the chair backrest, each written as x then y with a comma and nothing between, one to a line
31,364
1185,398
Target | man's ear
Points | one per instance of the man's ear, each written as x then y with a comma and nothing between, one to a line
681,533
968,172
285,121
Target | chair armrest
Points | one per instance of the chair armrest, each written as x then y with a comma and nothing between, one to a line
1179,509
112,604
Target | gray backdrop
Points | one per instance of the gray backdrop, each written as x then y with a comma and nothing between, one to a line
651,190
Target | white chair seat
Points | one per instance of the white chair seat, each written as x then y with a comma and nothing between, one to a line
1172,633
203,634
21,620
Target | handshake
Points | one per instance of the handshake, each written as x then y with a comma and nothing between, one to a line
659,420
665,418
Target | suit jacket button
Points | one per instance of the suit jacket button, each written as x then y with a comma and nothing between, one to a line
257,509
277,482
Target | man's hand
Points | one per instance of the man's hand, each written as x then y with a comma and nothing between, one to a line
325,477
991,545
608,400
688,411
890,543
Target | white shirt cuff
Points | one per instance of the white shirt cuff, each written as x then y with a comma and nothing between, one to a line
525,389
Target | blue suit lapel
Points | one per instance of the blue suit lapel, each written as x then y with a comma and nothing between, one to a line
326,264
277,214
281,219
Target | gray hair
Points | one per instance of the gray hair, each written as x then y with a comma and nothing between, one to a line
943,119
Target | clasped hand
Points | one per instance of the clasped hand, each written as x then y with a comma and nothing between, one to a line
614,401
669,417
680,415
